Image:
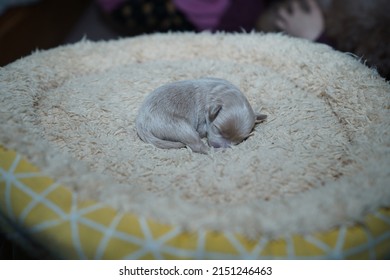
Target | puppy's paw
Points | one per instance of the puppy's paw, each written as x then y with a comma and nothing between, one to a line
199,147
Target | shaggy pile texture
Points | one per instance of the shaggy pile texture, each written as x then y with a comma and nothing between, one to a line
320,160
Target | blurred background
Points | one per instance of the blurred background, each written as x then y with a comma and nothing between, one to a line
361,27
356,26
42,24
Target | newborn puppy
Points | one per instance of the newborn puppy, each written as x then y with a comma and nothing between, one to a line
179,114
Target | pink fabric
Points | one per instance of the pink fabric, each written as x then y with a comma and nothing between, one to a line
203,14
241,15
109,5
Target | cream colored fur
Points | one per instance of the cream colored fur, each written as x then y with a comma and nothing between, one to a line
181,113
321,160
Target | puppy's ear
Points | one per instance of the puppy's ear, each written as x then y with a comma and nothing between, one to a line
260,118
213,111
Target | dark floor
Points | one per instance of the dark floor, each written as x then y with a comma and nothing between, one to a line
47,24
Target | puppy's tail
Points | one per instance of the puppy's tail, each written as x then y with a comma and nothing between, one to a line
148,137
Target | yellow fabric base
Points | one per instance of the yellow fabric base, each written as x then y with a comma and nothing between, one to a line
53,216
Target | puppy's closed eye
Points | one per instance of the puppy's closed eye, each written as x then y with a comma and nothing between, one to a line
214,111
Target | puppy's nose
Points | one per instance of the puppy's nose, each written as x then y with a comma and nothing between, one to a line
215,145
219,145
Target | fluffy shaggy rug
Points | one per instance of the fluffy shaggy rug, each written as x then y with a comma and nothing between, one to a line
320,160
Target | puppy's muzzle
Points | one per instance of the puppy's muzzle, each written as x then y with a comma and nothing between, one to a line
221,144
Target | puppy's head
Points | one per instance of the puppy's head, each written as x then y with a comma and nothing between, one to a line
230,123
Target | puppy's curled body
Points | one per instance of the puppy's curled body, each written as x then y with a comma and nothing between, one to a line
179,114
